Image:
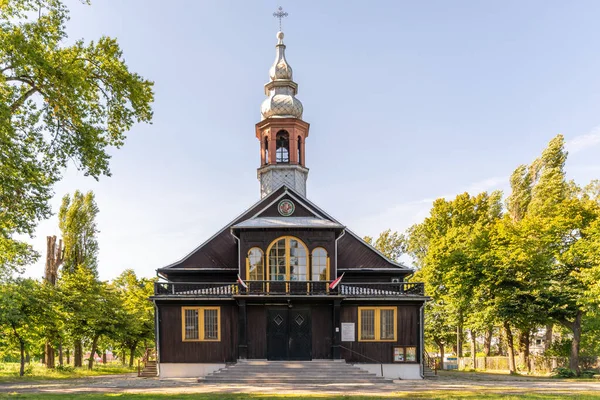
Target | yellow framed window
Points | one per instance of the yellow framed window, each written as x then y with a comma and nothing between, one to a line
377,324
287,260
255,269
319,265
201,324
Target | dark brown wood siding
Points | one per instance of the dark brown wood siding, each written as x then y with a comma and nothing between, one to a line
174,350
322,330
407,334
257,331
352,253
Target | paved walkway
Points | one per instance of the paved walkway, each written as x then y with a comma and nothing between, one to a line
448,382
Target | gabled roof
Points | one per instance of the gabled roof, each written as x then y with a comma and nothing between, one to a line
221,250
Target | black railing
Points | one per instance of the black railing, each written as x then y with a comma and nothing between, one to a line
383,289
286,288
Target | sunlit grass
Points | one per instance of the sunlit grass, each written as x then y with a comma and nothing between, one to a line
35,371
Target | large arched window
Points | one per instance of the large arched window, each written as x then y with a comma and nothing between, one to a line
282,149
319,265
288,260
255,265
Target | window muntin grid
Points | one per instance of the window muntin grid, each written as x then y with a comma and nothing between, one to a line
201,324
288,260
377,324
256,264
319,267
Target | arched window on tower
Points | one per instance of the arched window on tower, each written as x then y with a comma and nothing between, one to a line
283,147
266,150
299,150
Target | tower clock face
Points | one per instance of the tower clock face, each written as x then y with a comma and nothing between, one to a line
286,207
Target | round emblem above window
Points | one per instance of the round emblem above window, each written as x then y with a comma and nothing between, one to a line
286,207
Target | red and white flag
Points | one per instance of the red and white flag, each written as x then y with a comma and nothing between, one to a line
333,284
241,282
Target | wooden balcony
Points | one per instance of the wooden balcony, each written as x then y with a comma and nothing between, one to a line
288,288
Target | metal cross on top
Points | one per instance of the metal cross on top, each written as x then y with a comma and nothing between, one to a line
280,14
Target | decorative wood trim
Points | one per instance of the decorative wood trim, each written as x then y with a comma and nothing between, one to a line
377,322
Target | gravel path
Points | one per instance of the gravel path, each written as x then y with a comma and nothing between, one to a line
447,382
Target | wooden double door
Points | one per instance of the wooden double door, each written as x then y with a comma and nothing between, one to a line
289,334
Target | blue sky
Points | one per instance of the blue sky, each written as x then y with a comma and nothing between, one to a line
407,100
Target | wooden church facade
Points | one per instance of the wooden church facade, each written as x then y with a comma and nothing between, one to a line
267,286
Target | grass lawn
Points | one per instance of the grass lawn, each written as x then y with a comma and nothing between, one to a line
250,396
9,372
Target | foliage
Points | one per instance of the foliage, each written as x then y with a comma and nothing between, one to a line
57,103
78,227
388,243
10,371
562,372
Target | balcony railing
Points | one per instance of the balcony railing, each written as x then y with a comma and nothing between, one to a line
287,288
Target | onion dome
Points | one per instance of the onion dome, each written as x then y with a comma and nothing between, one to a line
281,89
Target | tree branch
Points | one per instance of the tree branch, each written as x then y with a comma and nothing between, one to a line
15,106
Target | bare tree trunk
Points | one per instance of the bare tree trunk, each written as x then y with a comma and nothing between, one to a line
511,348
548,342
459,339
77,353
22,350
68,356
132,354
104,357
441,347
93,352
576,327
524,348
49,354
43,360
53,261
60,354
123,357
474,348
501,348
487,342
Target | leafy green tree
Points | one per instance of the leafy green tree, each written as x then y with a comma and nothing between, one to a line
77,222
139,327
21,304
388,243
57,103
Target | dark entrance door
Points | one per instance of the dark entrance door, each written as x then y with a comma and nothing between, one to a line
289,334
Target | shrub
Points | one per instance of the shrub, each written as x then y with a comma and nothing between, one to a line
28,371
65,368
562,372
588,373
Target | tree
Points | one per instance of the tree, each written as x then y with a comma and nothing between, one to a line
139,327
57,103
77,222
388,243
21,305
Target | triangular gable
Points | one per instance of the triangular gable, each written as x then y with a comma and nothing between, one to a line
220,251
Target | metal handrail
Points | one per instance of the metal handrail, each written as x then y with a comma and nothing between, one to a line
429,361
362,355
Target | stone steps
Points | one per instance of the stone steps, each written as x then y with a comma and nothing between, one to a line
317,372
150,370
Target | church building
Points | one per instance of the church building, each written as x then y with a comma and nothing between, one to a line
284,280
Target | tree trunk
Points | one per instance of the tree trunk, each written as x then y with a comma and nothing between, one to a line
501,348
511,348
22,349
474,348
487,342
548,342
123,357
132,354
576,328
93,352
68,356
77,353
60,354
441,347
43,360
524,349
459,339
104,357
49,354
